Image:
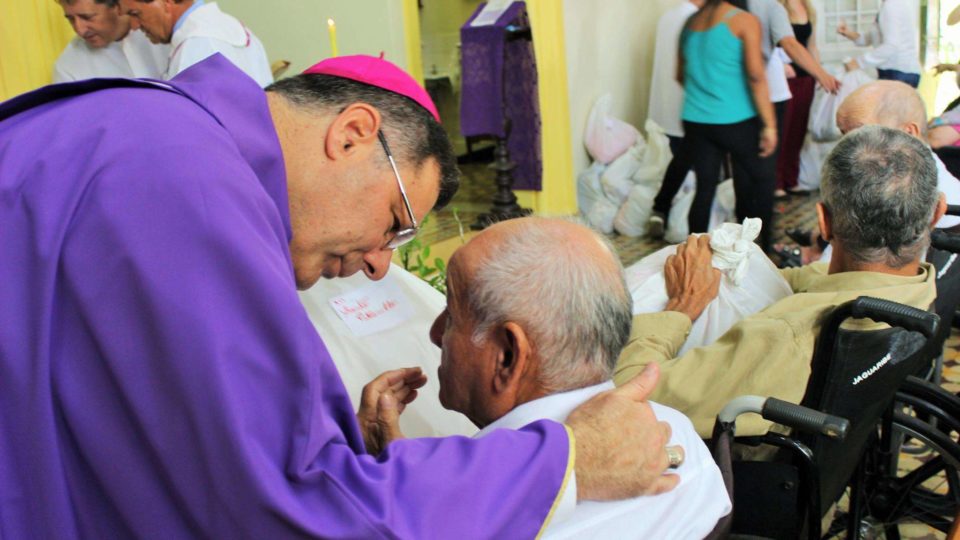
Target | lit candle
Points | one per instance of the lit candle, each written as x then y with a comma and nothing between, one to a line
332,27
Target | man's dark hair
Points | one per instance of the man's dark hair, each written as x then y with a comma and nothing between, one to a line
414,135
880,188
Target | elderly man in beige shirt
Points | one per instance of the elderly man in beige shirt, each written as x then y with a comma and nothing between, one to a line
879,200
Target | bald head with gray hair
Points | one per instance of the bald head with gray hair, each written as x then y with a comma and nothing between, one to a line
564,284
879,190
891,104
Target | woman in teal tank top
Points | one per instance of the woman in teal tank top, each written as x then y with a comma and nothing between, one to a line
726,109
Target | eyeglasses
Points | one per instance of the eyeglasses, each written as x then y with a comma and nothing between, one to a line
403,235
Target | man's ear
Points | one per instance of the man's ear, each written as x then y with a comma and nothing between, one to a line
355,126
940,211
911,129
512,358
823,220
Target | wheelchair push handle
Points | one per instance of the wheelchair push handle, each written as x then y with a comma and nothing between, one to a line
786,413
805,419
894,314
945,241
953,209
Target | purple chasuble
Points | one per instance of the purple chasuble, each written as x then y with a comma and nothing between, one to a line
159,377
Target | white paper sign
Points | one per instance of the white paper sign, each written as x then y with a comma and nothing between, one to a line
491,12
373,308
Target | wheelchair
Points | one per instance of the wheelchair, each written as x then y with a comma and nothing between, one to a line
862,404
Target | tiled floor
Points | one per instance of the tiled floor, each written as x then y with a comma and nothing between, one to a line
796,211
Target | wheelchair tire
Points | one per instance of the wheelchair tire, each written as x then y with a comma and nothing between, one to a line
928,494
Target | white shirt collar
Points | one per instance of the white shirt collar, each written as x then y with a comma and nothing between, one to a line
553,407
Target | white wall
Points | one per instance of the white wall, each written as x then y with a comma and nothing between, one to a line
296,30
609,46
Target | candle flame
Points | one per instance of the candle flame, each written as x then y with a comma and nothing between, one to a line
330,23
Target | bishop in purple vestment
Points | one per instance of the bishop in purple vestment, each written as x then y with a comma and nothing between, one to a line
159,377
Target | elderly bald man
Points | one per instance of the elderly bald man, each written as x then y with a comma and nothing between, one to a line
895,105
537,313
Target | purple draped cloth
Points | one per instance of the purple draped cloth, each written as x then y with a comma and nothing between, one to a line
499,80
159,377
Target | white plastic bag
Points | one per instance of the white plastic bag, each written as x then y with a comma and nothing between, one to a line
656,157
724,207
634,213
677,226
812,156
749,283
589,190
607,137
617,178
602,214
823,110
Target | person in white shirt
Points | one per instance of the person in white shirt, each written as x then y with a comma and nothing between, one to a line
105,46
196,30
896,40
537,314
666,94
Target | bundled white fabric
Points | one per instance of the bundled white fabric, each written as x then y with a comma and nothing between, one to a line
656,157
632,217
607,137
360,360
617,178
749,282
812,157
589,190
823,111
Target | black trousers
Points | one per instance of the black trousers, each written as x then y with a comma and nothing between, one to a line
754,178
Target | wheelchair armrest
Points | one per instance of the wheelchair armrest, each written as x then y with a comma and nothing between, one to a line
786,413
953,209
895,314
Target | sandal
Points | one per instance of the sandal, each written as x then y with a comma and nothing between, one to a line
790,256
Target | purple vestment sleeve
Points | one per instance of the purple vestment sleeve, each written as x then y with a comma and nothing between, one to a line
158,375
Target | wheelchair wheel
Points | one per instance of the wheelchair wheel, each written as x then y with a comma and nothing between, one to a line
925,488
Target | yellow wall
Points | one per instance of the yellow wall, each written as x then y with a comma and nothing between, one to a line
32,35
558,196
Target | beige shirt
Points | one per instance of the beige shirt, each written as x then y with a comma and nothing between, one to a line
767,354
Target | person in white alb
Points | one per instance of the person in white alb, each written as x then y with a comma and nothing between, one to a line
666,94
196,30
105,45
537,314
896,40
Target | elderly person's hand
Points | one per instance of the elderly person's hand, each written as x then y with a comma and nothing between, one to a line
692,281
382,401
621,449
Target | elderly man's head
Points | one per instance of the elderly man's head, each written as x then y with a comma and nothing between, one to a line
891,104
534,306
879,197
98,22
347,203
156,18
